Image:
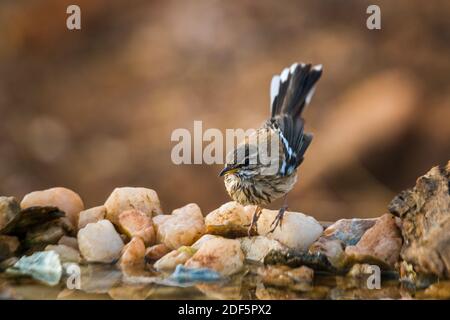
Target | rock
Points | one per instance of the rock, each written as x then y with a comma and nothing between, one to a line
425,222
380,244
440,290
182,228
66,253
298,231
47,233
185,275
348,231
295,258
133,252
257,248
62,198
222,255
69,241
91,215
174,258
99,242
8,263
8,246
156,252
333,250
32,217
134,223
43,266
230,220
300,278
9,212
206,237
128,198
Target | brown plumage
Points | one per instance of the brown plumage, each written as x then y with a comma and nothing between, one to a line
263,167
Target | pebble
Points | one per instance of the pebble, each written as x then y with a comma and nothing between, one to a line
9,211
66,253
170,261
229,220
348,231
133,252
298,231
182,228
127,198
135,223
206,237
257,248
156,252
381,243
69,241
91,215
99,242
222,255
185,275
44,266
8,246
62,198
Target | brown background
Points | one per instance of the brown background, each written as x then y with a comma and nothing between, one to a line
94,109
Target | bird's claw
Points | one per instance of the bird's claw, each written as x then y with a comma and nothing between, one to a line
253,227
278,221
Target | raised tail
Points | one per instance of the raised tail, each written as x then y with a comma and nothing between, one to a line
290,93
292,90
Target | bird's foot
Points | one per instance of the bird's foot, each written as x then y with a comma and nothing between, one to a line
253,228
278,221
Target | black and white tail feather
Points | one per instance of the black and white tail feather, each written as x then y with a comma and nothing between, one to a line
290,93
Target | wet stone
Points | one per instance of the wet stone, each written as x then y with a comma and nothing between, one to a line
91,215
156,252
182,228
66,253
380,244
134,223
185,275
130,198
99,242
230,220
222,255
9,212
298,231
65,199
43,266
170,261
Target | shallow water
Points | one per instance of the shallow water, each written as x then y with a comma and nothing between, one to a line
106,282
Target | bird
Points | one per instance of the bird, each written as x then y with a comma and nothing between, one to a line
254,177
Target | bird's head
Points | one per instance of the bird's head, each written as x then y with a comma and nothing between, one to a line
242,162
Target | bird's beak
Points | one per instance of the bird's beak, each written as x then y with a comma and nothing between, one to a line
227,170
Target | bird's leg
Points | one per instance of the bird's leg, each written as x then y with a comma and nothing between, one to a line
278,221
253,229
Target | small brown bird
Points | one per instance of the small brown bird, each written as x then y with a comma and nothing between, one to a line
263,167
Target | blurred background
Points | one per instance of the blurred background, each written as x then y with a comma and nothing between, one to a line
94,109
